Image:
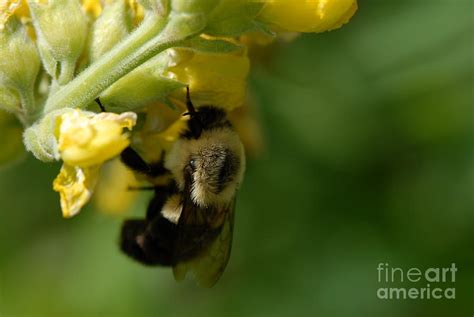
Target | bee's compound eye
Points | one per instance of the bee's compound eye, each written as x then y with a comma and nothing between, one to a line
192,163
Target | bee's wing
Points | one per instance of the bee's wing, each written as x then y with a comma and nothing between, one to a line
210,264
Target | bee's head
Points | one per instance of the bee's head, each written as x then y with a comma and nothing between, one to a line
210,167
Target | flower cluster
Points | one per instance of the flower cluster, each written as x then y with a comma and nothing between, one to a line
58,56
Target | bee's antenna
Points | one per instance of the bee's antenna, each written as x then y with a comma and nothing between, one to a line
100,104
189,104
195,125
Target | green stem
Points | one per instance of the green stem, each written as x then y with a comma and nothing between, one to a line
145,42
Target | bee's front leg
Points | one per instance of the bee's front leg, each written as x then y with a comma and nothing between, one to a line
134,161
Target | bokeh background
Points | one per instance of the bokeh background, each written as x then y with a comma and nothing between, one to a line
368,158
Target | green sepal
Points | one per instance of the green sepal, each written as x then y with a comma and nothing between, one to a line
141,87
41,139
232,18
203,45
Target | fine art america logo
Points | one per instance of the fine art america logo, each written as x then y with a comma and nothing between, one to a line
416,283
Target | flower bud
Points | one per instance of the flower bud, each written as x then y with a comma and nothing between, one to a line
113,25
9,100
19,62
61,29
307,16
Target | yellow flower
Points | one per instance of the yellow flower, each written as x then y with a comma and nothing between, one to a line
307,15
87,139
216,79
75,186
112,195
92,7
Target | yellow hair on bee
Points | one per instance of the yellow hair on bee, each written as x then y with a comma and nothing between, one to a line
213,149
172,208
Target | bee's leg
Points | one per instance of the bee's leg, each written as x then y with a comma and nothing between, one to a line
189,104
97,100
133,160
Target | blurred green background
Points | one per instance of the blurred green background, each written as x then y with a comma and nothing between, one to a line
369,158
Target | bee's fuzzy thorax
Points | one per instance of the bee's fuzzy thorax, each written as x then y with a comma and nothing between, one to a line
219,160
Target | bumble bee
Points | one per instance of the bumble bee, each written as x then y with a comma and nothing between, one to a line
189,222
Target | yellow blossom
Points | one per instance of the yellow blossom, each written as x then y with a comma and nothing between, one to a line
92,7
216,79
307,15
75,186
112,195
86,139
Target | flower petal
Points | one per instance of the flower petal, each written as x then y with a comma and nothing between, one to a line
75,186
214,79
87,139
